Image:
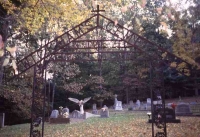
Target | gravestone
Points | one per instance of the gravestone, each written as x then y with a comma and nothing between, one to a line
2,117
55,118
148,100
193,103
169,115
54,114
148,105
131,105
137,105
104,112
105,107
94,109
169,105
77,114
195,109
138,102
117,104
183,110
65,110
143,106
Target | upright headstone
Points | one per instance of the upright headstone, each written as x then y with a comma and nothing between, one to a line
54,114
77,114
2,117
148,100
104,112
195,109
183,110
148,105
118,104
65,110
131,105
59,117
104,106
138,104
94,109
169,115
169,105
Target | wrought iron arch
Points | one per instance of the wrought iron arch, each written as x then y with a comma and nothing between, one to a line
74,42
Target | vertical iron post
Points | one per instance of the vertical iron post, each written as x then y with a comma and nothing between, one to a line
53,94
163,101
152,107
33,100
44,106
49,82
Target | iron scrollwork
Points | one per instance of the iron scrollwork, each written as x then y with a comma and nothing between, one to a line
36,132
159,116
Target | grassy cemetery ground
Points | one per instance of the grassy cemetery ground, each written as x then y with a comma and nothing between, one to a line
120,124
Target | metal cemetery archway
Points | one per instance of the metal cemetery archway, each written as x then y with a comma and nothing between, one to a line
112,39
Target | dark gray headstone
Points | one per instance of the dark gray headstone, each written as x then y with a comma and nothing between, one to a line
169,115
2,117
104,113
183,110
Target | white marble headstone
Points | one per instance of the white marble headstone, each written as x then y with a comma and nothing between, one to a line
54,114
138,103
118,104
148,105
94,106
65,110
148,100
94,109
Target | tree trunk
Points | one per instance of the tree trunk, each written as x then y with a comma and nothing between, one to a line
127,97
196,85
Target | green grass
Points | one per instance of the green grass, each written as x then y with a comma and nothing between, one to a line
127,124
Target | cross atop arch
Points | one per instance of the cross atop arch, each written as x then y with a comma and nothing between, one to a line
98,10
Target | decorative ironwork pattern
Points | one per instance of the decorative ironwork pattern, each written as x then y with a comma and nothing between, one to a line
37,109
158,110
97,22
73,45
46,51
